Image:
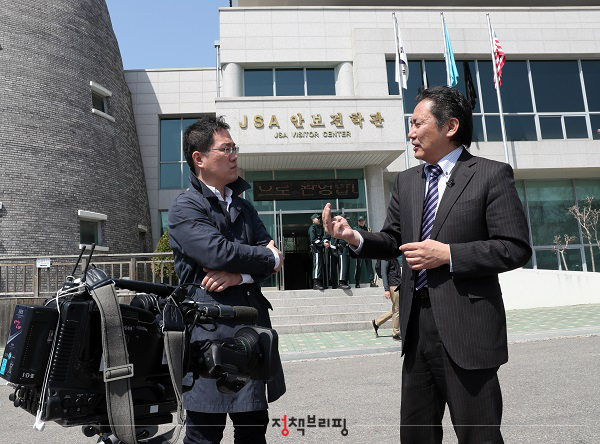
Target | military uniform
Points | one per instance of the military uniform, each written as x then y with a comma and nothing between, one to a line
342,253
360,262
316,239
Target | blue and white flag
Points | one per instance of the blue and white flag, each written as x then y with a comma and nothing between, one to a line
451,71
401,60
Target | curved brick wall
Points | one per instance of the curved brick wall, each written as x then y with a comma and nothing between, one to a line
56,157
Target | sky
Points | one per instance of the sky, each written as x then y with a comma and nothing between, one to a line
167,33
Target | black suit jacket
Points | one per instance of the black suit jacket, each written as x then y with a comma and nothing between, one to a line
482,219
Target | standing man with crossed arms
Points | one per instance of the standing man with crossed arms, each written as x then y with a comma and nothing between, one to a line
459,222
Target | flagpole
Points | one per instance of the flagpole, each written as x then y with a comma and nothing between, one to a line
400,92
445,38
497,85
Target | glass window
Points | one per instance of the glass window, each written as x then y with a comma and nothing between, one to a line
493,128
170,140
549,201
170,176
98,102
488,92
164,223
251,176
436,73
515,91
477,129
595,266
89,232
415,82
361,202
269,221
556,85
595,121
258,82
546,259
573,260
576,127
551,127
467,82
320,81
591,74
588,187
393,87
520,127
289,82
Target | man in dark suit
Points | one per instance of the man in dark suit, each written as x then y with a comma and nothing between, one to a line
219,241
459,222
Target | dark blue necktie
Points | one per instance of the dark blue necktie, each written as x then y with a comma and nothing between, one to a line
429,215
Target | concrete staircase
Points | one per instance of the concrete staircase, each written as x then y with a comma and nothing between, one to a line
309,311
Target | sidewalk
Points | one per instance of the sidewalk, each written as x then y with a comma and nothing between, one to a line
523,325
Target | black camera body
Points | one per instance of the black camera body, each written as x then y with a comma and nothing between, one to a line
54,353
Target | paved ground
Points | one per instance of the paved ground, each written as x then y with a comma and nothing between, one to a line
551,386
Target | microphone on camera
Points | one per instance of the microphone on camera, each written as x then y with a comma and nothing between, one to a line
450,183
239,313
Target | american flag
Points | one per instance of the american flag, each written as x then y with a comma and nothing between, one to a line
499,57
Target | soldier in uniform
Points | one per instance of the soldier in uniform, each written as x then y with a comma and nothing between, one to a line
317,246
360,263
342,262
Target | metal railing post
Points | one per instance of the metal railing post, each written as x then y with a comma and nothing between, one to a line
133,269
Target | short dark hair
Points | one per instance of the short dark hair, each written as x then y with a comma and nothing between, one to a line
200,136
448,103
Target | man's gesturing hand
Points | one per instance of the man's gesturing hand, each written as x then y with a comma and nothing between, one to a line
271,246
218,281
426,254
339,227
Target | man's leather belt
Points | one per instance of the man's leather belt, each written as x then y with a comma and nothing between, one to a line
422,293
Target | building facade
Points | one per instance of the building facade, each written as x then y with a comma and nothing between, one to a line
70,169
310,95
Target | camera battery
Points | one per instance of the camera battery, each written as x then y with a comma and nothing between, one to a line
28,345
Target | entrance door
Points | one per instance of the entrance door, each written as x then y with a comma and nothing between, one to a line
297,266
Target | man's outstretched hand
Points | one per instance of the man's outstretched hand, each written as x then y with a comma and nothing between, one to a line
339,227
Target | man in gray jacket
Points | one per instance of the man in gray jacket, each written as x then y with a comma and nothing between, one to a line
219,241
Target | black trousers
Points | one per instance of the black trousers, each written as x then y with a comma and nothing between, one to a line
430,379
207,428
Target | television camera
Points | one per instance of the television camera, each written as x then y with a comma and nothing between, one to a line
60,360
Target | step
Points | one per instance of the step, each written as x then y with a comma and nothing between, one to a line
322,327
324,318
294,294
330,308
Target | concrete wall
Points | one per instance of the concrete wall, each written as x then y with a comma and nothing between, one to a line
548,288
166,93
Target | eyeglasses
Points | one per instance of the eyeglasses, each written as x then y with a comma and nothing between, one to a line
227,150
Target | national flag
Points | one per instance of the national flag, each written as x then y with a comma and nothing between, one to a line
469,85
451,71
401,59
499,56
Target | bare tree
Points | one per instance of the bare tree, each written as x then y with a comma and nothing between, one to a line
587,217
560,248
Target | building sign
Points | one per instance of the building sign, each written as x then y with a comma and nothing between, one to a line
305,189
314,126
43,262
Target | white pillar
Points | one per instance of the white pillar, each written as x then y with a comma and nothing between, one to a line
344,79
232,80
375,196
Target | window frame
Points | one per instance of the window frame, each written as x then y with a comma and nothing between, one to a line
274,80
104,94
99,219
482,114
